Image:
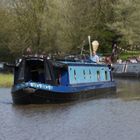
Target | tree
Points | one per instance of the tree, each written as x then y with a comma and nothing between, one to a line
5,32
90,17
127,19
28,18
59,25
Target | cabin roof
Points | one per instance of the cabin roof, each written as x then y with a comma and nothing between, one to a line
61,63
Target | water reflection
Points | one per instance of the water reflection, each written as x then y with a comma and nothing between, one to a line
128,89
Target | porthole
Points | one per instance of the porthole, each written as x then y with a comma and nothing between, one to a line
106,75
98,75
90,73
84,73
75,74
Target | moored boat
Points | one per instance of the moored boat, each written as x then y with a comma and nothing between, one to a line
126,70
39,80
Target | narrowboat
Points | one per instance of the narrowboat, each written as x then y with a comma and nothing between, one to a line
126,70
38,79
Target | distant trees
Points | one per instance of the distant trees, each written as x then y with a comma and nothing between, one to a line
28,16
127,22
81,18
60,25
5,32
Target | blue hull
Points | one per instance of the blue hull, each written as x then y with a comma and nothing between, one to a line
33,93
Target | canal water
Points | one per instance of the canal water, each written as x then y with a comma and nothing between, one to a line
106,118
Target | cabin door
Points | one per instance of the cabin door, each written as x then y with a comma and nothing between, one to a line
35,71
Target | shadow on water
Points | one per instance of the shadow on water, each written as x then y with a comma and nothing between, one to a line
43,109
57,108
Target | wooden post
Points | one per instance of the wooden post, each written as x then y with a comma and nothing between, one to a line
90,50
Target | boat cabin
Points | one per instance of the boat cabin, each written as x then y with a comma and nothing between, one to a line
42,70
38,70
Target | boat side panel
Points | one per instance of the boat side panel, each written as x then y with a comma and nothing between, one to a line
40,97
64,80
64,89
88,74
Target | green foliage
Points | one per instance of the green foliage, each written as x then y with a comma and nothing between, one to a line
125,56
6,80
59,25
127,19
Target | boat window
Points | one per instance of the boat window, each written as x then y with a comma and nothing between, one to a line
98,75
75,74
90,73
35,71
106,75
84,73
60,75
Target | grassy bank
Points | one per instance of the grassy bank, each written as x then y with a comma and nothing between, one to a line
125,56
6,80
